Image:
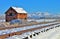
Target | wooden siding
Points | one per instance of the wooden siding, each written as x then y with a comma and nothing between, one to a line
16,16
9,18
22,16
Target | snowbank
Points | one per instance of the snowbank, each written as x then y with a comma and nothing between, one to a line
50,34
42,20
23,28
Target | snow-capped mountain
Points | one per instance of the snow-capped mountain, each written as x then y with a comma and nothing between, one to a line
42,15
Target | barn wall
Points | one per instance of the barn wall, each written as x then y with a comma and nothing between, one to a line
16,16
9,18
22,16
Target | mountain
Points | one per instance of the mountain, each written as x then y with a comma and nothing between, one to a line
42,15
2,17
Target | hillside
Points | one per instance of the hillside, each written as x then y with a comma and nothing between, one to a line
41,15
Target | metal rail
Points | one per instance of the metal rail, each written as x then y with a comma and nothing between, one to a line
21,32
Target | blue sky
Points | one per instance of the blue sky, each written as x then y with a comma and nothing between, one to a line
51,6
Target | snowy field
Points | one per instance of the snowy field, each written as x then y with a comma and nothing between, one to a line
7,31
2,20
45,33
42,20
42,34
51,34
37,20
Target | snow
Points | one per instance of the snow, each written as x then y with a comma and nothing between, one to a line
41,20
23,28
16,21
2,20
50,34
19,10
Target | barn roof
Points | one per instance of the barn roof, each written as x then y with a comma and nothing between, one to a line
19,10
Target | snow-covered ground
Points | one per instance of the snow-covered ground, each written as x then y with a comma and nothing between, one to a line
50,34
42,20
2,20
2,32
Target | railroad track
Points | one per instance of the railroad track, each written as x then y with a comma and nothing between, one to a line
3,28
28,30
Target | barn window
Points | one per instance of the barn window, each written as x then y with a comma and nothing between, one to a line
11,14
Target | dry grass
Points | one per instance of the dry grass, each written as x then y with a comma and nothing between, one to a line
7,24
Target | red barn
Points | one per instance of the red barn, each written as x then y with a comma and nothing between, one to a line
15,13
